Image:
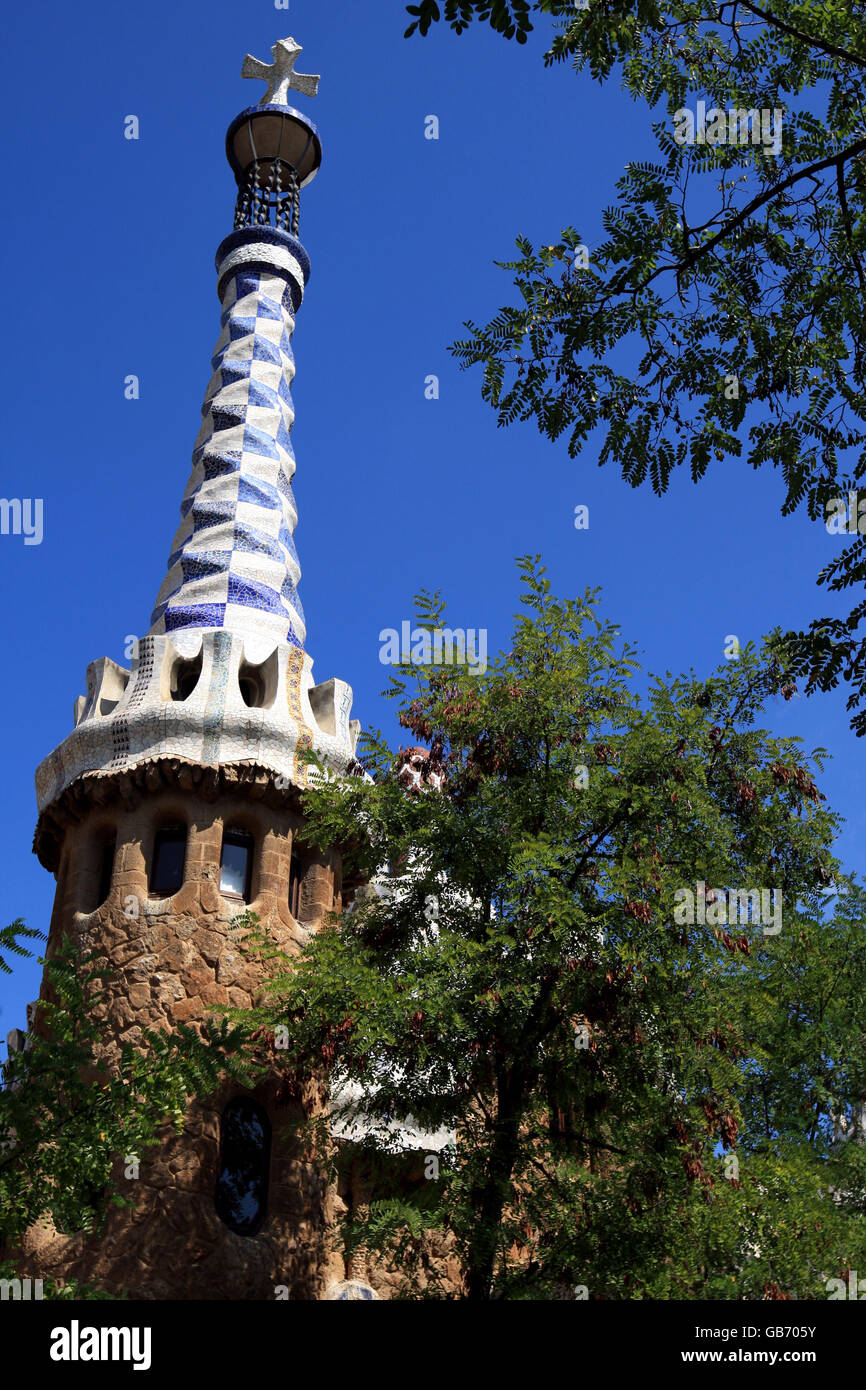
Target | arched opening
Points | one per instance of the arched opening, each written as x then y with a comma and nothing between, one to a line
184,678
236,865
252,688
167,863
241,1196
296,874
106,869
258,684
96,870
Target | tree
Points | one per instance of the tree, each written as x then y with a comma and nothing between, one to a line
731,274
71,1129
547,970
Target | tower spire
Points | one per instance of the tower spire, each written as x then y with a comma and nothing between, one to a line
222,676
233,562
172,808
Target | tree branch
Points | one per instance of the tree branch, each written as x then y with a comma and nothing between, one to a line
849,231
760,200
811,40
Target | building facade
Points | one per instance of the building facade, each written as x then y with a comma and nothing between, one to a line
173,805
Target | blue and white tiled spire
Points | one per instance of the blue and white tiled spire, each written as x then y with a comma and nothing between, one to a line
223,676
233,563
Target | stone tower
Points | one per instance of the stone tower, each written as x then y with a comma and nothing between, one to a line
173,804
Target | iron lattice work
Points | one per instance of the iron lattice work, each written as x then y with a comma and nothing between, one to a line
269,199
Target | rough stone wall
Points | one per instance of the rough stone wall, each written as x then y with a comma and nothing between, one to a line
437,1273
173,961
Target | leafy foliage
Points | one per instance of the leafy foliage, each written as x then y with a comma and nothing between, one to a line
507,17
731,274
520,977
10,942
68,1125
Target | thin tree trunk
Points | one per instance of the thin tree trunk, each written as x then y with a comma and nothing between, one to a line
503,1155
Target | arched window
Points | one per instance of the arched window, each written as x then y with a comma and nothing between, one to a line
252,687
241,1196
236,865
295,876
97,867
184,678
106,868
169,855
258,684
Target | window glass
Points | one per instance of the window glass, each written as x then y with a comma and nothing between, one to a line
236,864
169,853
241,1197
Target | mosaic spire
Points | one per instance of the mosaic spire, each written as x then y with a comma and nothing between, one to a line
223,676
233,563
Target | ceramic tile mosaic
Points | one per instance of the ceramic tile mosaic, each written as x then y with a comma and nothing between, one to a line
229,602
233,562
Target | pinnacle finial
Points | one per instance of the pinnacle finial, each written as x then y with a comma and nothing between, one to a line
280,75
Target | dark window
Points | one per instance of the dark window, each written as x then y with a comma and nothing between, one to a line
258,684
184,678
169,853
252,687
236,865
105,868
295,874
241,1196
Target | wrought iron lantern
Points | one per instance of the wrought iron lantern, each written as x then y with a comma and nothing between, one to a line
274,152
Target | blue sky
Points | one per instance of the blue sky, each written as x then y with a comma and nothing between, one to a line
109,249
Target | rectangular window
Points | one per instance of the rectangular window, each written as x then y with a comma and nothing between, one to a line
295,886
105,870
236,865
169,855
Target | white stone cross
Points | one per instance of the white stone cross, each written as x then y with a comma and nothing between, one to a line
280,75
